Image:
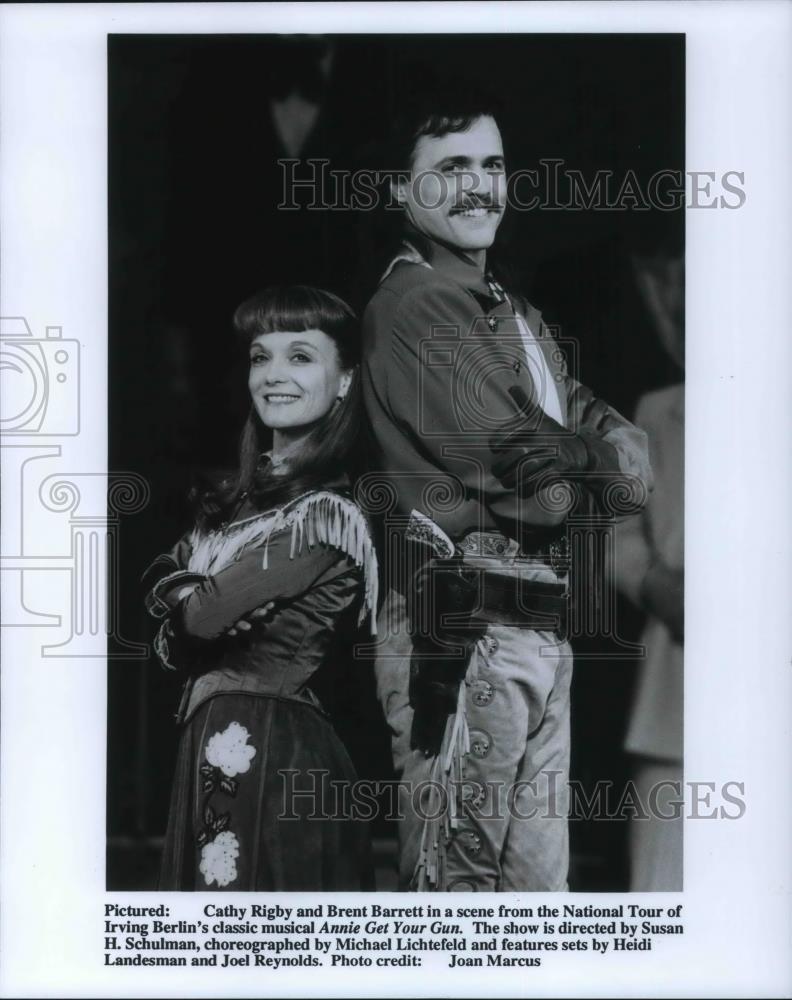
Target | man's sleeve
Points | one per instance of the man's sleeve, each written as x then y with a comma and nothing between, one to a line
630,444
436,404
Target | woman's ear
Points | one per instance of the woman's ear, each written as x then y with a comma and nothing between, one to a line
344,384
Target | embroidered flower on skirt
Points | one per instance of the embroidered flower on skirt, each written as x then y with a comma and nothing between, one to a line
230,750
218,859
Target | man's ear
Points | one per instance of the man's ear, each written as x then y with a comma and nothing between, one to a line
399,190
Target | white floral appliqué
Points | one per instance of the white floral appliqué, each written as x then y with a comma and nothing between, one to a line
230,751
218,859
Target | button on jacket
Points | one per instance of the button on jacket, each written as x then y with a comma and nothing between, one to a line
441,353
443,347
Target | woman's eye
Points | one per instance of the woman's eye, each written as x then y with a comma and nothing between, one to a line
452,168
257,359
300,357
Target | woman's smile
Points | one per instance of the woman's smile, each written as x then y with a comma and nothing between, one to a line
295,379
280,397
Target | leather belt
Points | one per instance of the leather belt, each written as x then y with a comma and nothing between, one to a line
552,547
510,600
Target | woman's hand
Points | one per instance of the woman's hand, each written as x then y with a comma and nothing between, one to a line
255,616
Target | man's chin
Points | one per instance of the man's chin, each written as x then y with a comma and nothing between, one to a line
479,237
475,243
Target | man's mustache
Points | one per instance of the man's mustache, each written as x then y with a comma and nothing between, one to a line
469,203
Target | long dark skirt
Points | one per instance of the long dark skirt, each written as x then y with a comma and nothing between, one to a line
261,801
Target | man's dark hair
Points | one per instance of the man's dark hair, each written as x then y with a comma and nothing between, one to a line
452,108
431,110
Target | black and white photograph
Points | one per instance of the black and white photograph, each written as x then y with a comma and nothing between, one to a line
395,440
294,184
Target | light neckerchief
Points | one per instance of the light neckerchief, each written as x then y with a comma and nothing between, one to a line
544,384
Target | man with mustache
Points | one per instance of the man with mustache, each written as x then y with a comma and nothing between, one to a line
483,445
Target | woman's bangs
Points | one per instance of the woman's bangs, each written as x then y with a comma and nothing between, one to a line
292,309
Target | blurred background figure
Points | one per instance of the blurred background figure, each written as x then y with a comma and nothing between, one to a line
649,570
299,73
618,299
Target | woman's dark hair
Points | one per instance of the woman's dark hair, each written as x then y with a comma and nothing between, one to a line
330,448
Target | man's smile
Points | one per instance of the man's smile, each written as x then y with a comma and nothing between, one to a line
473,213
476,212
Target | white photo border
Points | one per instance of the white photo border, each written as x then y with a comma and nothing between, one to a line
53,183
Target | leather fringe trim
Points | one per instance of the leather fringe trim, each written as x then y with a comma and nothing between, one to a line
162,645
317,518
442,809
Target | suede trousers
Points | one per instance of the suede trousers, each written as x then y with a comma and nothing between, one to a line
511,830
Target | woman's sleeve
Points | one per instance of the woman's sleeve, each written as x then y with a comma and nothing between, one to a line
166,576
169,562
219,601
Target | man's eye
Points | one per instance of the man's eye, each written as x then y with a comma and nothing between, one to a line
452,168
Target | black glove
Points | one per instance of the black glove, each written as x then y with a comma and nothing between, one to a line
441,651
442,588
541,445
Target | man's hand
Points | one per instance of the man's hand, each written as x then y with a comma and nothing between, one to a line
541,445
254,618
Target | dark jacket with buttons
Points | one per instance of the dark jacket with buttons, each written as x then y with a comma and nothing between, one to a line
440,356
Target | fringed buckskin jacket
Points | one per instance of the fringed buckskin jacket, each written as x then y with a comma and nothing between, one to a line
313,557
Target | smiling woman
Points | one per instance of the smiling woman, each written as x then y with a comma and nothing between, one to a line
251,603
295,379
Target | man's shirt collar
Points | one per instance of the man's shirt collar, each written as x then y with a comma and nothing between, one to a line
417,248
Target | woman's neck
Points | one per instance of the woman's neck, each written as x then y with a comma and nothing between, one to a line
285,445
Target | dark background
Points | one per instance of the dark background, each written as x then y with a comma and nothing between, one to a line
194,228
